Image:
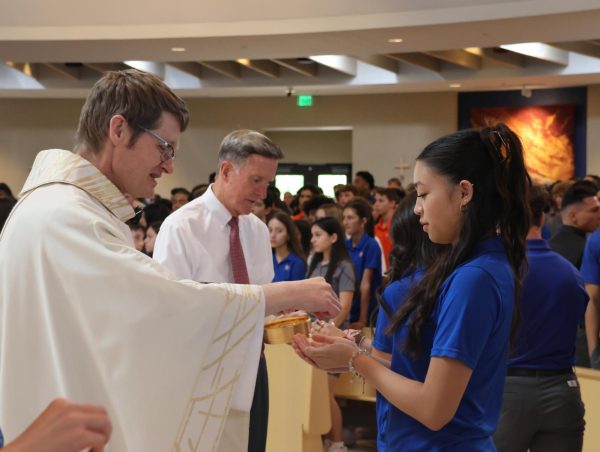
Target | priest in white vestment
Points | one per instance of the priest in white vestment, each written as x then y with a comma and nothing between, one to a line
85,316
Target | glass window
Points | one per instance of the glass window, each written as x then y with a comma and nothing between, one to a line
289,182
328,181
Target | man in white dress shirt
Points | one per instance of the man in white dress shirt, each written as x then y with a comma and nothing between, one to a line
194,242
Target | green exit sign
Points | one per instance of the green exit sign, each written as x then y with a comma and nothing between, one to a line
304,100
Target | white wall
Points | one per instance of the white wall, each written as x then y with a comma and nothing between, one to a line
385,129
28,126
309,146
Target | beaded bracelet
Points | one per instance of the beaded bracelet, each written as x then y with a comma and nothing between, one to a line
351,368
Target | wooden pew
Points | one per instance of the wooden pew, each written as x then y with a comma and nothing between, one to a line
298,403
350,387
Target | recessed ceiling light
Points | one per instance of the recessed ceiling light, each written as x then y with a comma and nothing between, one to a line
396,40
455,85
177,49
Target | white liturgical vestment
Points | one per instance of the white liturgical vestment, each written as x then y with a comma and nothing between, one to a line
85,316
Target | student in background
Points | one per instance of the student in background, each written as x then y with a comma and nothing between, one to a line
365,184
580,213
138,233
329,210
159,210
6,192
331,261
312,205
366,257
386,201
263,207
345,194
304,194
288,198
553,221
542,408
151,234
394,182
289,261
179,197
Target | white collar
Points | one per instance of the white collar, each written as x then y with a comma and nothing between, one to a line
60,166
222,214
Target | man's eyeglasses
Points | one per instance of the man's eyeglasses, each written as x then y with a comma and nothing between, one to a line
167,151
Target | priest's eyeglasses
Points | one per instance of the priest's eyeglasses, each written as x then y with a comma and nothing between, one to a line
167,151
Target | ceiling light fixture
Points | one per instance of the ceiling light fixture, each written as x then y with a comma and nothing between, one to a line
395,40
177,49
455,85
28,70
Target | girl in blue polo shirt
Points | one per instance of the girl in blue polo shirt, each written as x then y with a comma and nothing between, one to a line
366,257
332,262
451,335
289,262
411,253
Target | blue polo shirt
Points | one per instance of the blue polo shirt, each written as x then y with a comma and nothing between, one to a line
291,268
552,303
590,264
469,323
394,295
366,254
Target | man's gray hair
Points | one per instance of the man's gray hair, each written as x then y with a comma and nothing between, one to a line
239,145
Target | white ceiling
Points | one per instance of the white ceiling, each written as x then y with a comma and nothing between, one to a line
73,13
216,34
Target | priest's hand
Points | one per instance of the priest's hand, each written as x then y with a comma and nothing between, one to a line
325,352
316,295
65,427
311,295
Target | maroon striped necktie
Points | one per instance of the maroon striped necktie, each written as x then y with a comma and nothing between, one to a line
236,253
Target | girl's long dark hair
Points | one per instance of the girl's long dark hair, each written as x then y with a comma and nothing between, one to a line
492,160
411,249
292,230
338,253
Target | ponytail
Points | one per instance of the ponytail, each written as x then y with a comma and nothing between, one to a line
513,184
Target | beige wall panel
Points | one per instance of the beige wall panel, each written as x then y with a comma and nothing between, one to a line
328,146
593,130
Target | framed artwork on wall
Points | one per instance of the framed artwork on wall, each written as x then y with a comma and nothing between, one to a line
551,125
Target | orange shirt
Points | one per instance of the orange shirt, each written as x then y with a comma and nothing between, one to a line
382,232
298,216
